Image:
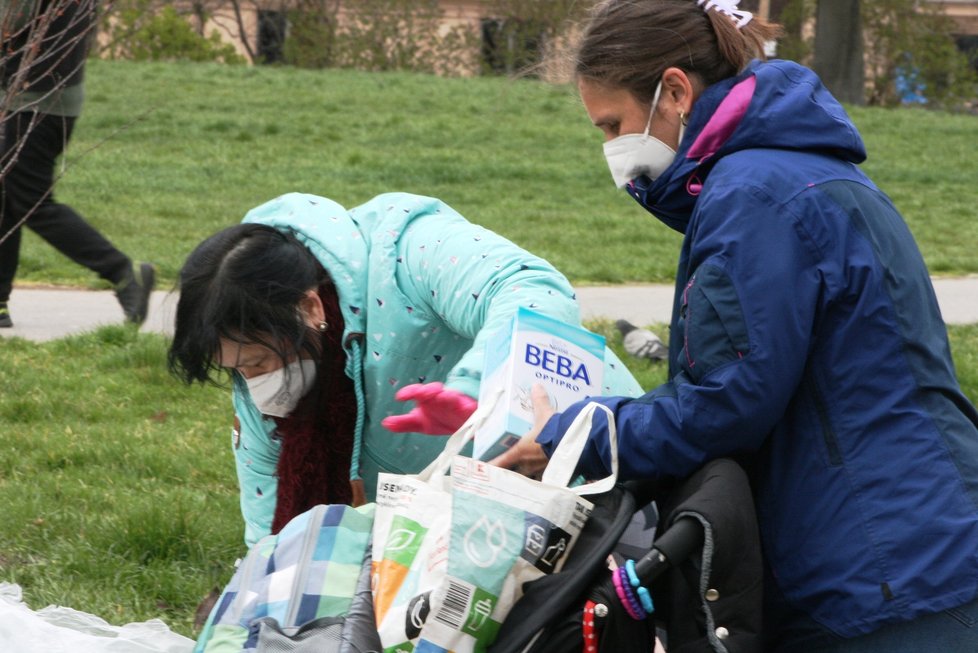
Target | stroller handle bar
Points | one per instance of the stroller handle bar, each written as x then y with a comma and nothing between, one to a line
675,545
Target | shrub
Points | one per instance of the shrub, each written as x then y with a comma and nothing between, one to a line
913,38
529,37
516,37
311,38
906,41
137,30
376,35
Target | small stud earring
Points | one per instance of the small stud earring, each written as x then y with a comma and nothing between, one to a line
323,326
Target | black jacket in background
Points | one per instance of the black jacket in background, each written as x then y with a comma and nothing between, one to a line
60,60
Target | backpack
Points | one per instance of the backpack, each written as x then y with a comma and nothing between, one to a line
305,589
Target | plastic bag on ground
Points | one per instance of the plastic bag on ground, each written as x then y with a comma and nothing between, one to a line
57,629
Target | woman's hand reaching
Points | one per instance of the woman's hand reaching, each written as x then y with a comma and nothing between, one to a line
526,456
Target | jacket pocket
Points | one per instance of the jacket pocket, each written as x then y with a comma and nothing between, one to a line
712,323
820,408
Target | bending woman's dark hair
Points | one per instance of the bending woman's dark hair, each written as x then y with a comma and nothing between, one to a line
629,43
243,284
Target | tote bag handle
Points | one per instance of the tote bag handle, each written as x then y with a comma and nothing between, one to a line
434,473
563,462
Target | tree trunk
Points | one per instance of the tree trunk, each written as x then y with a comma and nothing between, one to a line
839,49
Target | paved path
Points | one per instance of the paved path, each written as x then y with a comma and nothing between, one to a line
46,314
644,305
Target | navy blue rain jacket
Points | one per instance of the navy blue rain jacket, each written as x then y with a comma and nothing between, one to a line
806,339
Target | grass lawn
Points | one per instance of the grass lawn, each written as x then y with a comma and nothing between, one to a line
165,154
118,490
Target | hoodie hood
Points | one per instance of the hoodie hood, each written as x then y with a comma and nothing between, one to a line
777,105
342,240
316,221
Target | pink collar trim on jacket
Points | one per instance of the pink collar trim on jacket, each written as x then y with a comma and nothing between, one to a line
724,120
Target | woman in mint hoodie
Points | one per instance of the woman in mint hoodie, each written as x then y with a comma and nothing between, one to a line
330,318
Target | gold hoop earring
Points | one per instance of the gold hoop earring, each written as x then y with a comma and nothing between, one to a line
322,326
683,118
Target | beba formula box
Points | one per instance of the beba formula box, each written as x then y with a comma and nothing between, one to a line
566,360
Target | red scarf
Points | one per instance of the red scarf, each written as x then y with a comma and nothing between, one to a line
317,437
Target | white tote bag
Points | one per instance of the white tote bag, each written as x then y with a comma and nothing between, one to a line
451,554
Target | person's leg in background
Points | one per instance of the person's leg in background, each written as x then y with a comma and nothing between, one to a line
9,218
9,255
28,187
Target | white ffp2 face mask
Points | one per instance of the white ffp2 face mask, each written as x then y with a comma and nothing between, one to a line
633,155
278,392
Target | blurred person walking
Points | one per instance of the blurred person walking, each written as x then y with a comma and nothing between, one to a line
42,69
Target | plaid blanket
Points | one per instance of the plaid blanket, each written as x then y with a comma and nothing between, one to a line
292,584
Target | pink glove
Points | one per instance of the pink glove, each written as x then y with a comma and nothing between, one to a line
438,411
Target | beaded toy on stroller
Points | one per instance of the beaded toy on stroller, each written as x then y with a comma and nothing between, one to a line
698,588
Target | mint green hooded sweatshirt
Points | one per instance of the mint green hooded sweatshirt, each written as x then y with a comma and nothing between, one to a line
421,290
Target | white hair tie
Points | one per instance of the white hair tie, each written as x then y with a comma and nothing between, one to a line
727,8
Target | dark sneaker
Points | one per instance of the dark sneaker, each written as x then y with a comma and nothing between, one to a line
5,321
133,293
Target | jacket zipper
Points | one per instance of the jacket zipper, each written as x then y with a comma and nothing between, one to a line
308,542
684,313
828,434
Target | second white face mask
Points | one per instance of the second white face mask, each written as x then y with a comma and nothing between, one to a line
278,392
632,155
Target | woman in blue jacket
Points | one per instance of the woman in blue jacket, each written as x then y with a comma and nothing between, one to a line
330,318
806,339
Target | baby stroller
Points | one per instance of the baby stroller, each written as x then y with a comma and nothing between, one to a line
703,572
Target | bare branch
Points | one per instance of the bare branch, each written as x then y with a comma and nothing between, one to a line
239,18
